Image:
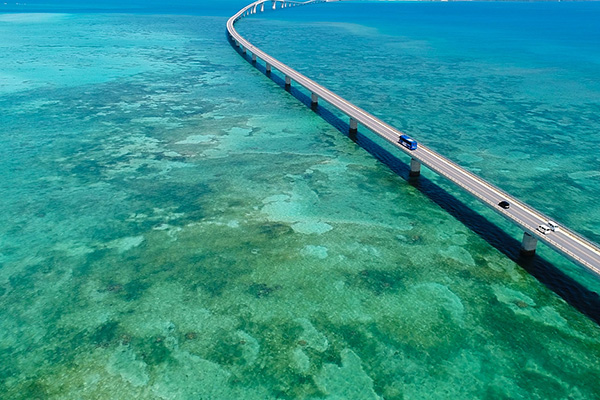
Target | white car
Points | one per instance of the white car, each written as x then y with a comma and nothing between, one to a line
553,225
544,229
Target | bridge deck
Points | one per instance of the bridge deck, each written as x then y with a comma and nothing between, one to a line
566,241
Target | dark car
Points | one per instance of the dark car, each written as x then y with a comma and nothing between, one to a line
504,204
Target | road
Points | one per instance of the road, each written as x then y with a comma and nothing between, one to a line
565,241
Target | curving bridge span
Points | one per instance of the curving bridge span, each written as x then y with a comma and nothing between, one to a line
565,241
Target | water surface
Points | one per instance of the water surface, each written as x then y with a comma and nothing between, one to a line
175,226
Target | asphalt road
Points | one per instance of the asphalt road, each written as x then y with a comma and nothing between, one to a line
565,241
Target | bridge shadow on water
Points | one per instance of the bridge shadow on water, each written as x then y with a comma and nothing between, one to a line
574,293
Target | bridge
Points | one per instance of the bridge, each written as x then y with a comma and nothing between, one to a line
565,241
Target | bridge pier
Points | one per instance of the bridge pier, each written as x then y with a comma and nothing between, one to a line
254,58
288,82
243,50
237,44
314,100
415,167
262,7
274,5
268,69
353,126
528,245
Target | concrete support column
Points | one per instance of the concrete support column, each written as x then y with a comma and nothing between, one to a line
237,44
528,245
268,68
253,58
288,82
243,50
262,7
415,167
353,126
274,5
314,100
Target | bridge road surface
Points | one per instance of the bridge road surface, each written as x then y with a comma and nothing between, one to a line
565,241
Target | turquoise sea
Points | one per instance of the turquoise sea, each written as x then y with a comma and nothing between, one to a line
174,225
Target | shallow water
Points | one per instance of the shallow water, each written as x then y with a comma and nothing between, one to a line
176,226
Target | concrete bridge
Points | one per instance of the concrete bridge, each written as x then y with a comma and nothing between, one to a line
563,240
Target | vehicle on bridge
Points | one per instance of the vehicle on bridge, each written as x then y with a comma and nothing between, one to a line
544,229
408,142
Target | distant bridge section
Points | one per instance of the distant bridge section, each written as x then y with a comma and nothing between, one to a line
562,239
